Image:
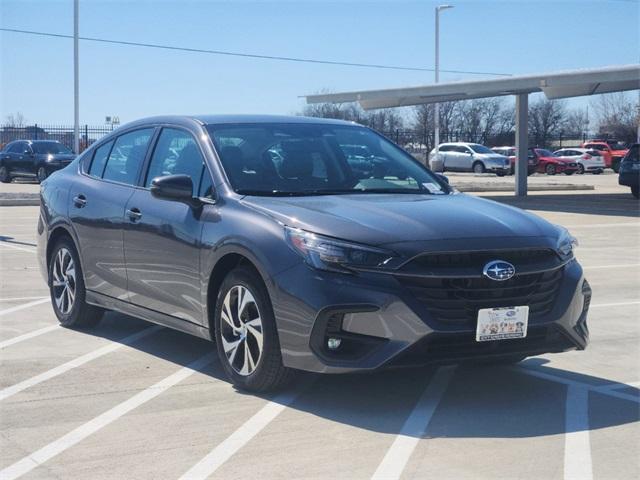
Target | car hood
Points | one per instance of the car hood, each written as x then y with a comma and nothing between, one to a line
390,219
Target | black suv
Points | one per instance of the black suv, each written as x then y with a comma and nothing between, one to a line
268,235
33,159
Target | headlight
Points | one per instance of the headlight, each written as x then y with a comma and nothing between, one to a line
566,242
336,255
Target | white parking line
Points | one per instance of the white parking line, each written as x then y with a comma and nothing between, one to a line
577,444
7,311
617,304
27,336
415,427
19,299
58,446
238,439
15,247
76,362
625,265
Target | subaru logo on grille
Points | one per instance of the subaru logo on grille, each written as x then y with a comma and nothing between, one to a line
499,270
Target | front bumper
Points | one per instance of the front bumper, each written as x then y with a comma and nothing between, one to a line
381,323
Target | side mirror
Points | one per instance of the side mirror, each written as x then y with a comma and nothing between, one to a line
442,177
173,187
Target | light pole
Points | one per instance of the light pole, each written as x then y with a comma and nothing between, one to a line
76,80
436,106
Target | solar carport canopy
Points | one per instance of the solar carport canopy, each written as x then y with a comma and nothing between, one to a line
565,84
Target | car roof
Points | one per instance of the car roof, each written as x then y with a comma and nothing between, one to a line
236,119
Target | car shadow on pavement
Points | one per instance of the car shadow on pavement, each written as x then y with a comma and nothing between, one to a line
11,240
613,204
480,401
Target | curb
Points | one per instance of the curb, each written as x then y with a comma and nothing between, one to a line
19,201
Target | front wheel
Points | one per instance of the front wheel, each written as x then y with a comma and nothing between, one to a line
635,191
550,169
42,174
66,287
5,175
246,334
478,167
581,169
615,165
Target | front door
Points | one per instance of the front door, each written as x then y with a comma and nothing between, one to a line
162,238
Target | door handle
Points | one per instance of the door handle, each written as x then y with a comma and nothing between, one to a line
79,201
134,214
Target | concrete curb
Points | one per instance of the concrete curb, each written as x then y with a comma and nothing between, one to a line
530,188
19,200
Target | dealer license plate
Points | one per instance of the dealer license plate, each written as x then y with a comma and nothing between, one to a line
502,323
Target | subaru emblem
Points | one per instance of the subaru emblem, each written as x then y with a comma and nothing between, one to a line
499,270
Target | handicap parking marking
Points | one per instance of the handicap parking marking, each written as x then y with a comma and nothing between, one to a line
39,457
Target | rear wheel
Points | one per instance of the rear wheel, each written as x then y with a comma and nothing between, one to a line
246,334
42,174
550,169
5,175
635,191
66,287
581,169
478,167
615,165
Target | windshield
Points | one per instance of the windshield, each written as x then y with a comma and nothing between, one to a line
544,153
476,147
314,159
49,147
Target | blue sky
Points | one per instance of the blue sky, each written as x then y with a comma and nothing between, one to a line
498,36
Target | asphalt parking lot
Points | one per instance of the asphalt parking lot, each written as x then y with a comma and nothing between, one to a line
133,401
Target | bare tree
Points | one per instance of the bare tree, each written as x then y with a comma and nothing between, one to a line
385,120
618,115
546,120
577,123
15,120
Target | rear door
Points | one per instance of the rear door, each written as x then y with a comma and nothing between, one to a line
97,205
162,237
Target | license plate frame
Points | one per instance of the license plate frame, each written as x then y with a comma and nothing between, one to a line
502,323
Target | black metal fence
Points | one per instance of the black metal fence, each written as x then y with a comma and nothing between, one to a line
61,133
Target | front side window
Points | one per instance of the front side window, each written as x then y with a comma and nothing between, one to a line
127,155
312,159
176,153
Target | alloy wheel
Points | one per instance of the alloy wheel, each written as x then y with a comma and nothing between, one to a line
64,281
241,330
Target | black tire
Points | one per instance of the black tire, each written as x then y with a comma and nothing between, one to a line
615,165
42,174
635,191
478,167
269,373
581,169
569,172
5,174
597,172
550,169
81,315
499,174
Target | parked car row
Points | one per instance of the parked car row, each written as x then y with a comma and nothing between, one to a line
33,159
612,151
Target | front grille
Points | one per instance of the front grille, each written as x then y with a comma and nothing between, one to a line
477,260
456,301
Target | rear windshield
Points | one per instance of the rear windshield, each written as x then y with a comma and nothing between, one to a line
315,159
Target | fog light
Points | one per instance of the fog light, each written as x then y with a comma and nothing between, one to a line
334,343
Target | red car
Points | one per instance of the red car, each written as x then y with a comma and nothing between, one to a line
510,153
612,152
550,164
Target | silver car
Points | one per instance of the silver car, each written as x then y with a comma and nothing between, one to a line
470,157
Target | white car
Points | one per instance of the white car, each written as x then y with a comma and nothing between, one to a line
469,157
588,160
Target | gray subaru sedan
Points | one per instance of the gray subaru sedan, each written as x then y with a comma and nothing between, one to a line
302,244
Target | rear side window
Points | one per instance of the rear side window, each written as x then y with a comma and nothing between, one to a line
176,153
100,159
127,155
